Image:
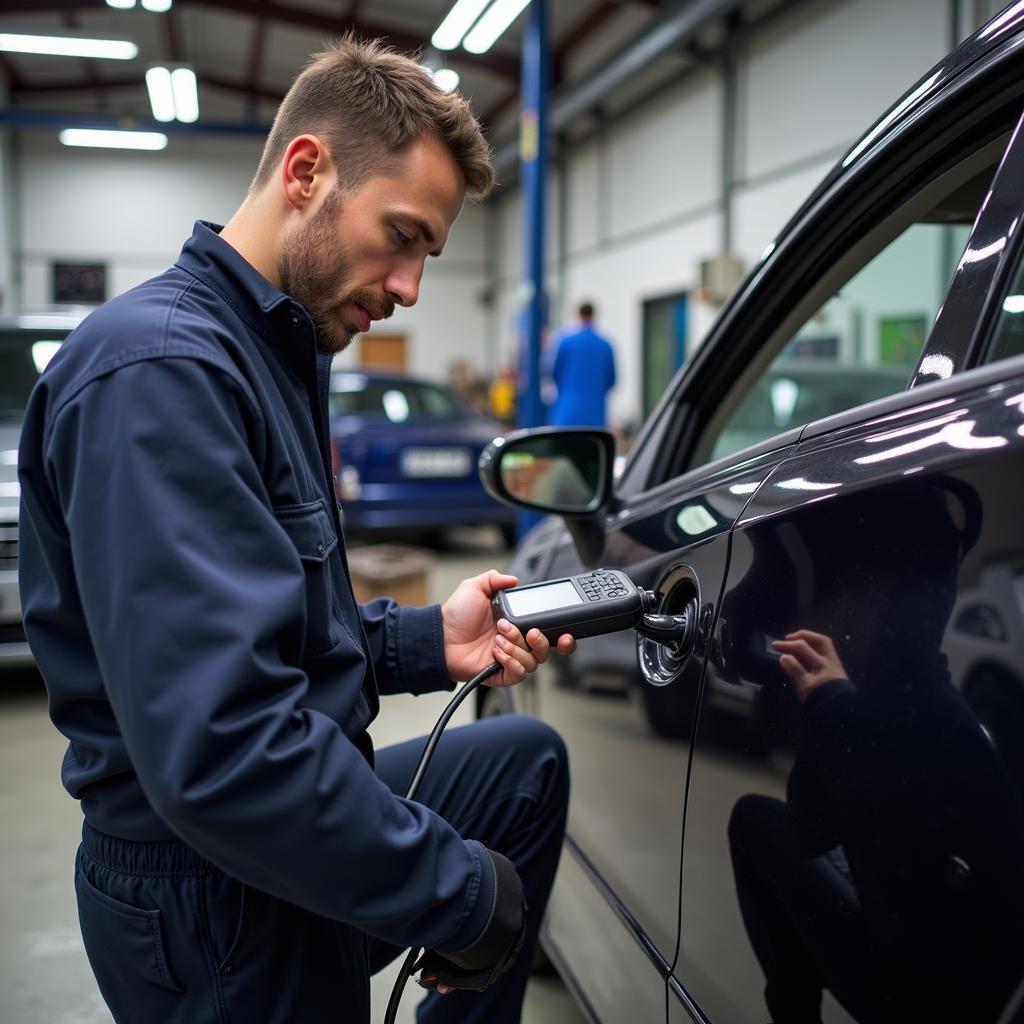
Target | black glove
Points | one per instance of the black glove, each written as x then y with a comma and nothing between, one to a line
497,946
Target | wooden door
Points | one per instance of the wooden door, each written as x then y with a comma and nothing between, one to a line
382,351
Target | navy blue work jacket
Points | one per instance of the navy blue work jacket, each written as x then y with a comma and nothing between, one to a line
186,595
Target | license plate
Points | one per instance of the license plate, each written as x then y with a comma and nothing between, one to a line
421,462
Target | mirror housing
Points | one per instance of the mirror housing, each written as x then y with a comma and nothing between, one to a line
558,471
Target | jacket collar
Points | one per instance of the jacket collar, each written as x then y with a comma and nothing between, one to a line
208,257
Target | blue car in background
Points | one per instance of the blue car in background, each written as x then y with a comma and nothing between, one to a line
405,456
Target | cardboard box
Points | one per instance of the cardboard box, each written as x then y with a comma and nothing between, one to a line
390,570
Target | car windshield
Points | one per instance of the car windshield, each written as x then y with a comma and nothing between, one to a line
393,400
23,355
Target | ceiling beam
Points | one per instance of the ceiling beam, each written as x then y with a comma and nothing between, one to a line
50,6
254,63
173,37
70,20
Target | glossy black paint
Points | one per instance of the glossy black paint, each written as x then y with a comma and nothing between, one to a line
869,821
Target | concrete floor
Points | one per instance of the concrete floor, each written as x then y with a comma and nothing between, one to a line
44,975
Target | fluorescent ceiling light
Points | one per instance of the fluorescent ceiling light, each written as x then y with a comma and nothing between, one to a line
493,24
105,139
186,96
68,46
121,5
156,6
173,93
161,97
458,22
446,79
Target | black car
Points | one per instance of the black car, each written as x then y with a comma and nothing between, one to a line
848,826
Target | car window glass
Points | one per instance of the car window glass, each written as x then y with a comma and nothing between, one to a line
1008,336
861,344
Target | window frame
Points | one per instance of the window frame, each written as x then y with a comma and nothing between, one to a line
1003,219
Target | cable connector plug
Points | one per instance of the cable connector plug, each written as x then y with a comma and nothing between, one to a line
676,632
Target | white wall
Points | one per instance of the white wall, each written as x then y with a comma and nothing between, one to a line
130,210
815,80
133,211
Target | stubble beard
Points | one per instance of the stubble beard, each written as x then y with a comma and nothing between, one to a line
311,267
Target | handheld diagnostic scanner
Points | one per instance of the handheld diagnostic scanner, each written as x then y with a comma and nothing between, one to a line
592,603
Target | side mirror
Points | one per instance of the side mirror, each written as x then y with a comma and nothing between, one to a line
562,471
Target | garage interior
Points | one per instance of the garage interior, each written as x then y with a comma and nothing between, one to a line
681,136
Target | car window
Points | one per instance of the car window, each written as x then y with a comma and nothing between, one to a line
860,345
393,400
1008,335
859,331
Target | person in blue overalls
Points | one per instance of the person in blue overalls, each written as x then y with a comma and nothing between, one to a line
583,372
245,856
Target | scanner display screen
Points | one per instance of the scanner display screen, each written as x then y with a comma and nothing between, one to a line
544,598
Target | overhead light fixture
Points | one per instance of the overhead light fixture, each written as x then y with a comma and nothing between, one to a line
161,95
173,93
493,24
446,79
457,23
68,46
186,94
121,5
111,139
156,6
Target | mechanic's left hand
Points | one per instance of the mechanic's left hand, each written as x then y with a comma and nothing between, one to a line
471,641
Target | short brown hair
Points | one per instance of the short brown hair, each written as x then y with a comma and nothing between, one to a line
368,103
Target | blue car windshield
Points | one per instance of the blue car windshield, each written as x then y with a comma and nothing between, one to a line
393,400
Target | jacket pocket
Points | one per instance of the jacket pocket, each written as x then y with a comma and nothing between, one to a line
131,936
310,529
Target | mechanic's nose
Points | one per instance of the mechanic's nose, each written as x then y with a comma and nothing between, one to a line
403,284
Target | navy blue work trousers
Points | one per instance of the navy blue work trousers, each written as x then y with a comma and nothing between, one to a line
172,940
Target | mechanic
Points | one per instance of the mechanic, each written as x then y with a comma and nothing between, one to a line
245,856
583,371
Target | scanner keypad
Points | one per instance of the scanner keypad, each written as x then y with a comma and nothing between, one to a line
601,584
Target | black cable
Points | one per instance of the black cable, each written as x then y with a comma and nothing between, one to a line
410,794
428,750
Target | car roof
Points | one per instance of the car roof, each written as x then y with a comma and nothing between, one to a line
44,320
385,376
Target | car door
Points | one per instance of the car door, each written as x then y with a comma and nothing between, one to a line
864,858
612,919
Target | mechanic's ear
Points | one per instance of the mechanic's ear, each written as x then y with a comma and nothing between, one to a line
306,172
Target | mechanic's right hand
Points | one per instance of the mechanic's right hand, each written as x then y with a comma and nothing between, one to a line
497,946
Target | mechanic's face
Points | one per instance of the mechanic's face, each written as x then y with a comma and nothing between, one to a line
362,252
